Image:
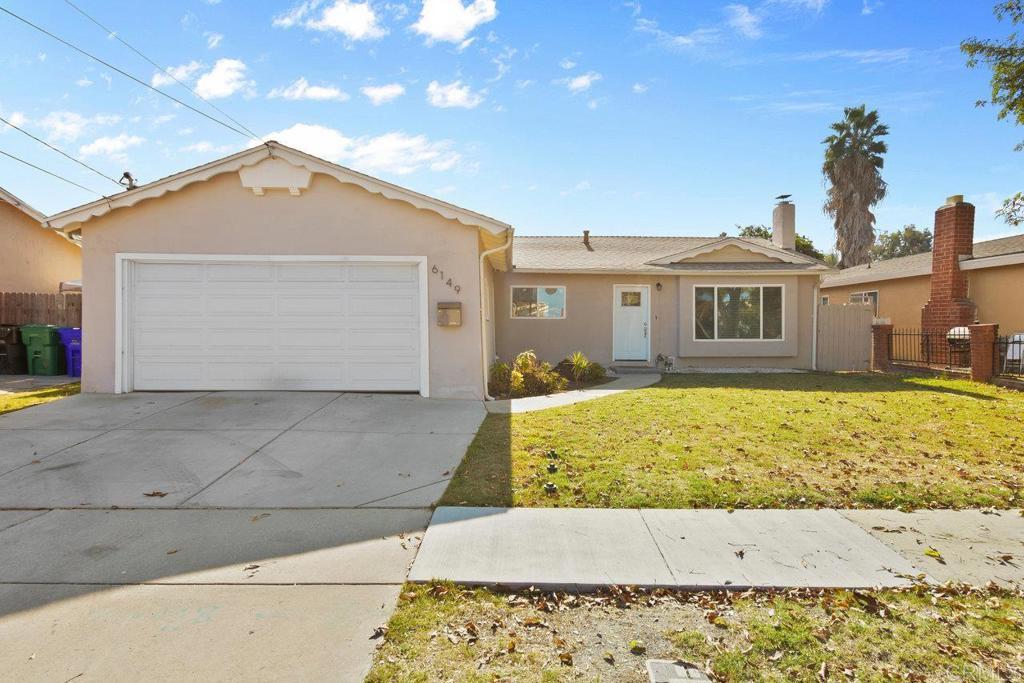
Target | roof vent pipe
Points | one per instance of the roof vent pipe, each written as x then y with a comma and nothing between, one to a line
586,240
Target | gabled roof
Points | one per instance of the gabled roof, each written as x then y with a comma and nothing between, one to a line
22,206
71,219
636,254
760,247
990,253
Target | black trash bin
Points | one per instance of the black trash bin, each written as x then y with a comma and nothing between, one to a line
13,360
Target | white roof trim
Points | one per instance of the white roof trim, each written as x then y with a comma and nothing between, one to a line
709,247
665,273
841,280
22,206
72,218
992,261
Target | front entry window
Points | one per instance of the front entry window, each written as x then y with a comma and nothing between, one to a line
538,302
629,298
737,313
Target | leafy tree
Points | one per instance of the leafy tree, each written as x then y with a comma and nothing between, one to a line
906,242
804,245
853,174
1006,59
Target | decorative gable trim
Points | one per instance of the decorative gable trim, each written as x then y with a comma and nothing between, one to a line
781,255
71,219
21,206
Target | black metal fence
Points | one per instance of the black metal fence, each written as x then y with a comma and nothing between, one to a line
946,349
1009,355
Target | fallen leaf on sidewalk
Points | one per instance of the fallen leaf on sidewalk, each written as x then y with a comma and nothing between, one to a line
933,553
171,552
379,632
262,515
155,494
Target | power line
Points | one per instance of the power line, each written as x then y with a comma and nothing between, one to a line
122,72
50,173
162,69
60,151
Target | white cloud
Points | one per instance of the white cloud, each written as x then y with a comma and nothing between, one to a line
394,152
566,63
109,81
17,118
355,20
813,5
582,186
746,23
113,147
677,42
501,61
524,83
639,88
581,83
163,118
225,79
869,7
204,147
381,94
83,82
871,56
447,189
69,125
302,90
451,21
593,104
183,73
213,40
453,94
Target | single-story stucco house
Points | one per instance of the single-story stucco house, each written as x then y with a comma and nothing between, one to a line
964,280
273,269
33,259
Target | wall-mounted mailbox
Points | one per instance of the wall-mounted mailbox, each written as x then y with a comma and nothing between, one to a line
449,313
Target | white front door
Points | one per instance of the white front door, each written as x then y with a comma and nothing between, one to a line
631,323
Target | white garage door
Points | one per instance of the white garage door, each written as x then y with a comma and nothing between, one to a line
208,325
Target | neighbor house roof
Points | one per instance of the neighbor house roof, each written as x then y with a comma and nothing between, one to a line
22,206
71,219
989,254
636,254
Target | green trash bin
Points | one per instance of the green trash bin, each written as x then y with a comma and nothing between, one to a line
43,350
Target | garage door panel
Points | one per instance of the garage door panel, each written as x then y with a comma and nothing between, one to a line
276,325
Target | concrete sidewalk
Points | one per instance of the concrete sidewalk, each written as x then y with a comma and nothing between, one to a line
568,398
581,549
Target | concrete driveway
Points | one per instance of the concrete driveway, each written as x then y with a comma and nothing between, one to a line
217,536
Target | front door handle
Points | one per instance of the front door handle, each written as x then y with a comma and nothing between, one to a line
645,330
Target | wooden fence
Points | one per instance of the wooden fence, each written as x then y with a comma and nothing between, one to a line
844,337
21,308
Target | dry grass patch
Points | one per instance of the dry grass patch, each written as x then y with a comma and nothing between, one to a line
780,441
445,633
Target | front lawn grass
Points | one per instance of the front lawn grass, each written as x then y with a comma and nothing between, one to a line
758,440
16,401
442,632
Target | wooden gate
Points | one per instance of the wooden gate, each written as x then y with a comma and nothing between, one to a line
844,337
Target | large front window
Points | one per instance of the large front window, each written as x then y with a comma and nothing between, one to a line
737,312
538,302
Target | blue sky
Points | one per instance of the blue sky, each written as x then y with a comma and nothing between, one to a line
682,117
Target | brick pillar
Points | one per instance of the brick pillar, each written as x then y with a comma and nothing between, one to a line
983,351
948,305
880,335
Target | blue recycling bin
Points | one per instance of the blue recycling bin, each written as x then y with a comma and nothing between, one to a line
71,338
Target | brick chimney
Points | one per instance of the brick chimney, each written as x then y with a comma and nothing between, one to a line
948,305
784,225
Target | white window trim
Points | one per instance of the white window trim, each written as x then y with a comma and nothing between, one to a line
759,340
878,298
124,263
512,304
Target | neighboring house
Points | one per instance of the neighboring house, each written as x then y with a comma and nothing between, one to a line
273,269
33,258
966,281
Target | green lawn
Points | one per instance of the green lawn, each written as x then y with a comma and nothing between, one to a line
758,440
444,633
12,402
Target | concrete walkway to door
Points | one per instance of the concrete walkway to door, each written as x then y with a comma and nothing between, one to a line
227,536
567,398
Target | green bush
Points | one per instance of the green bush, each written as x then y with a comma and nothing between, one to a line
580,369
526,376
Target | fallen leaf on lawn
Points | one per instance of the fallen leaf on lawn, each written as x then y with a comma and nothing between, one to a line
379,632
565,658
511,647
637,648
608,657
155,494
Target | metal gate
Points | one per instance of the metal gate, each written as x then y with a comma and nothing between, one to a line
844,337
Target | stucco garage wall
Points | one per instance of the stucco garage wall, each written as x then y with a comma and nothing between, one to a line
32,258
219,216
587,325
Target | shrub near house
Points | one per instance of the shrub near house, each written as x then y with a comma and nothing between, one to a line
527,376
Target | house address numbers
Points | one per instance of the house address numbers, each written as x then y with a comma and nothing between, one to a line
448,281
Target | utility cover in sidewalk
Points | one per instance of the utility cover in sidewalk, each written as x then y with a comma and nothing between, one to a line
665,671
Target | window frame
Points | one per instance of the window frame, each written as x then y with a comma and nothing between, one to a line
759,340
878,299
825,300
512,303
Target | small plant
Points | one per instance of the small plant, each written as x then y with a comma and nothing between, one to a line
579,365
580,369
526,376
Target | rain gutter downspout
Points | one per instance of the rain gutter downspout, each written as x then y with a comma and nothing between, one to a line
814,324
483,310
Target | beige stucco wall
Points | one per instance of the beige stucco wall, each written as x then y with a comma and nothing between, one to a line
587,326
221,217
999,295
32,258
899,300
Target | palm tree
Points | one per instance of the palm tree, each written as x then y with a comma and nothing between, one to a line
852,170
